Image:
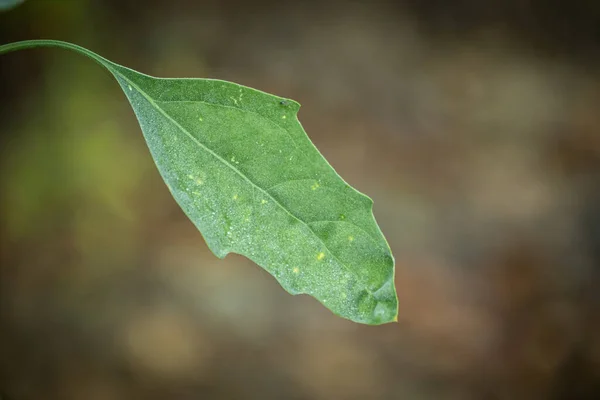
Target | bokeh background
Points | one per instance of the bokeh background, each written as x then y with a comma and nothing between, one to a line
474,126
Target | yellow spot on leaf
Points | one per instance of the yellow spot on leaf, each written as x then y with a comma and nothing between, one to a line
198,180
296,270
315,186
283,117
320,256
235,196
263,202
351,238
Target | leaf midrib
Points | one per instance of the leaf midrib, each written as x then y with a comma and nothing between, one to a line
268,190
188,134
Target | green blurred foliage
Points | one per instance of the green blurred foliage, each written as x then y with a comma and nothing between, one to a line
475,129
8,4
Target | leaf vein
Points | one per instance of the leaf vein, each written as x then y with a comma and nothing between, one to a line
239,109
370,236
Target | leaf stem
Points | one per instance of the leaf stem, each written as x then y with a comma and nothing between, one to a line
29,44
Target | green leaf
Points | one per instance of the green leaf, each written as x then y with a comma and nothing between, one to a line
241,167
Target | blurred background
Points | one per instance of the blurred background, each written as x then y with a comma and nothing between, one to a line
474,126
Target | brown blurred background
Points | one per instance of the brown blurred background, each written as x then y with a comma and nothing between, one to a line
475,127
